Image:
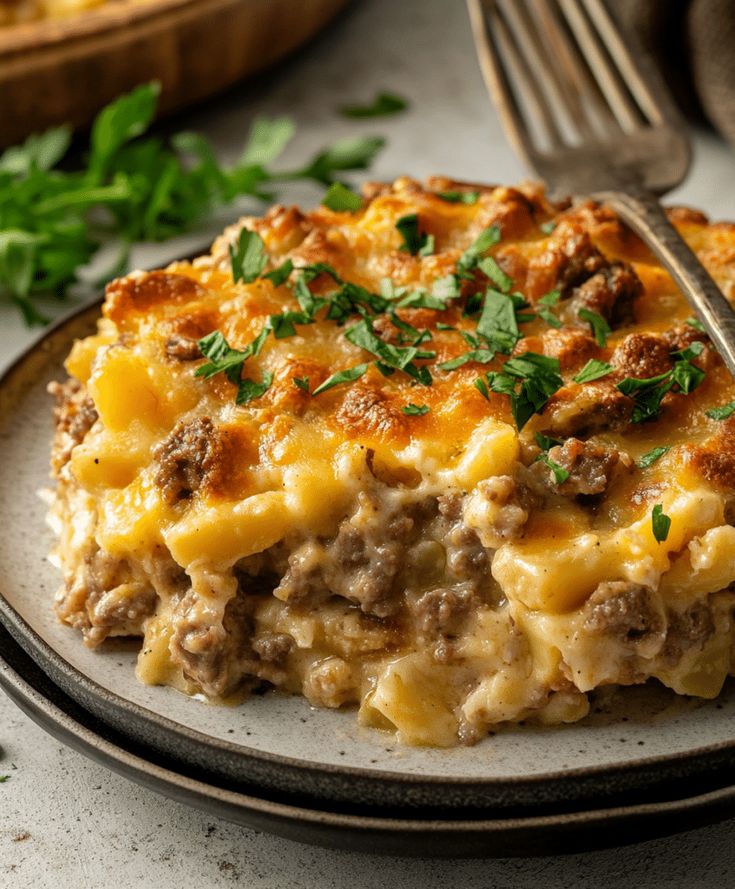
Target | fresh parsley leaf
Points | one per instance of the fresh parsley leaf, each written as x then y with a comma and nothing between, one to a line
280,275
498,324
266,140
223,358
550,299
352,153
696,324
40,152
660,523
301,383
723,412
529,380
416,410
687,375
472,255
342,376
415,241
283,325
482,356
600,327
548,227
560,474
396,357
118,123
383,104
593,370
647,394
446,287
481,387
489,267
249,390
341,199
693,350
459,197
545,442
652,456
248,258
4,778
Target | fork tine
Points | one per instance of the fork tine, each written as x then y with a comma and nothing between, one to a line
573,70
497,80
610,35
608,78
539,54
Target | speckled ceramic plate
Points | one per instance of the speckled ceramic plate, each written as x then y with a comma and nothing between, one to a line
391,833
639,743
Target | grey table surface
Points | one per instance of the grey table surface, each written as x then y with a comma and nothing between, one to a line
69,824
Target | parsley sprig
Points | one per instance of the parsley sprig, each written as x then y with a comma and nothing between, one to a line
529,380
133,187
648,393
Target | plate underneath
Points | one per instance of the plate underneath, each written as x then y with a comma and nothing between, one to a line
387,834
644,742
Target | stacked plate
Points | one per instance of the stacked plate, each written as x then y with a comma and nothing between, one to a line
644,764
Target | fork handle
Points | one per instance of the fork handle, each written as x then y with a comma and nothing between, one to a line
646,217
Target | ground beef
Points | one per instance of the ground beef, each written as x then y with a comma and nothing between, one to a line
182,348
642,355
187,458
610,292
688,630
439,615
584,410
495,510
123,605
576,259
273,648
74,415
626,611
590,466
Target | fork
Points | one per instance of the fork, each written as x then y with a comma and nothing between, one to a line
593,122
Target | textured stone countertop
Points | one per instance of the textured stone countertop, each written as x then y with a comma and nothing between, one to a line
69,824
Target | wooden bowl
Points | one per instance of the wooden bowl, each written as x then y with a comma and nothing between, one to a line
64,71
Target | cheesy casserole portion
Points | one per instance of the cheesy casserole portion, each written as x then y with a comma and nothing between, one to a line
457,457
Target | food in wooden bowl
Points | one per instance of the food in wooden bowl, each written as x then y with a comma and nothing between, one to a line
453,454
57,71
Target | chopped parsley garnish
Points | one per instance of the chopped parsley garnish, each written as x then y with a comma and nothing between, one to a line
280,275
283,325
649,393
498,324
459,197
529,380
560,474
488,266
446,287
415,410
546,302
482,356
383,104
4,778
342,376
223,358
248,390
472,255
248,257
723,412
481,386
390,356
652,456
600,327
545,442
696,324
415,241
660,523
341,199
301,383
593,370
548,227
132,187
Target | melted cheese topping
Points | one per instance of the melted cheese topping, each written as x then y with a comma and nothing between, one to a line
280,475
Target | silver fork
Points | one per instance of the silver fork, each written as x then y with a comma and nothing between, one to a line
592,122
